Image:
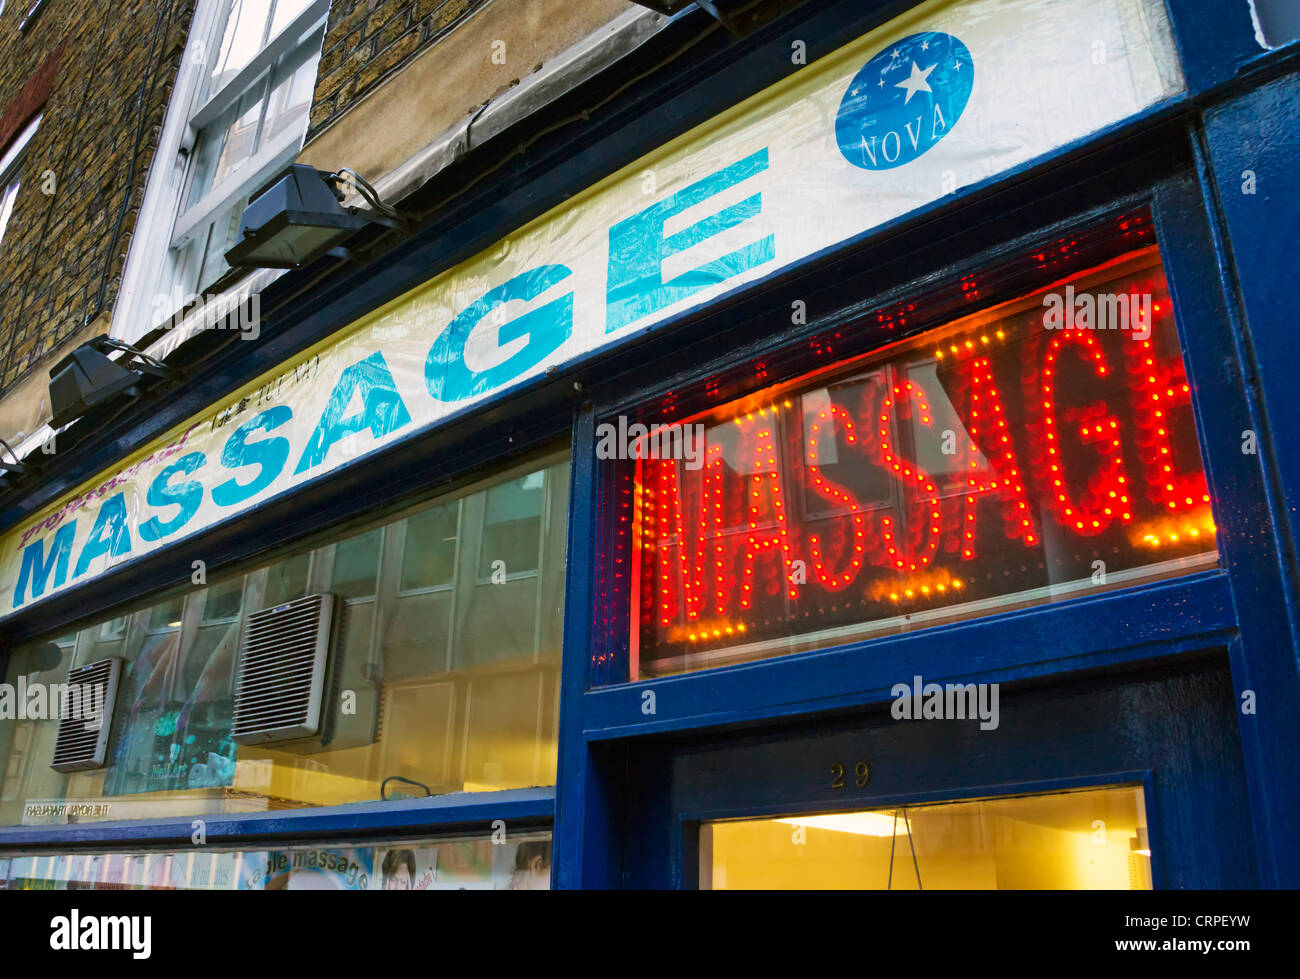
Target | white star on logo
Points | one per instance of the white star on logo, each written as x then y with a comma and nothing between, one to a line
916,81
896,54
925,45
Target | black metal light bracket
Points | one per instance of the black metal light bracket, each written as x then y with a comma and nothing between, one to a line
299,216
88,377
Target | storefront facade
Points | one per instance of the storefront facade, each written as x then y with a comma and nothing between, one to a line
855,460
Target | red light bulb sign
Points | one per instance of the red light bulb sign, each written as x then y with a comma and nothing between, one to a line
1001,463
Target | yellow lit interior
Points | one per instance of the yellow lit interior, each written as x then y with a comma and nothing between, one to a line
1094,839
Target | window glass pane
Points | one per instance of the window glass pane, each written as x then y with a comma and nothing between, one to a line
470,863
991,464
429,551
512,526
286,580
224,601
356,563
285,12
167,615
452,680
226,145
1037,842
243,37
114,629
291,95
221,235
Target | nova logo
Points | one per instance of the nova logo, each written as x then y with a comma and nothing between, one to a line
904,100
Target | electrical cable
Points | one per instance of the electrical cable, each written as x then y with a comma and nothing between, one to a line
383,786
911,841
893,838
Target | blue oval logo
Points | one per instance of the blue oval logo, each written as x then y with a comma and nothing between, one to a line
904,100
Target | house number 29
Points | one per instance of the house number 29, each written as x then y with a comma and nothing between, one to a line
861,775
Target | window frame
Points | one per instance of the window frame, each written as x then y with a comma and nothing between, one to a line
11,169
167,258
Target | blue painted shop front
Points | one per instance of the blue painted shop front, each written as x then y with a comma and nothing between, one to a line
1181,689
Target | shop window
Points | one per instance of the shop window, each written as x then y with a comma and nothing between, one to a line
1033,452
441,679
1094,839
473,863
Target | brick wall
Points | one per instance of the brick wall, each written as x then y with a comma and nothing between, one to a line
366,40
101,73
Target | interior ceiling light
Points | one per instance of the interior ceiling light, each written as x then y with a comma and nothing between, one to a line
300,216
857,823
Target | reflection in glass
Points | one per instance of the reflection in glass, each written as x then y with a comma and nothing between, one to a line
429,552
356,563
242,38
512,526
221,234
286,580
226,145
167,614
290,97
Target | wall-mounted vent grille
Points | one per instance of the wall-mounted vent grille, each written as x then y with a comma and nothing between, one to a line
282,671
85,711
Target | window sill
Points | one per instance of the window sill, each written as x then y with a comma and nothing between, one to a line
458,812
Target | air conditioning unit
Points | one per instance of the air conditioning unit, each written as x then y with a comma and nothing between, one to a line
281,680
85,715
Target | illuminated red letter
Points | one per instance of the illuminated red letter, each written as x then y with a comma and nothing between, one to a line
1106,496
836,494
905,557
987,427
767,473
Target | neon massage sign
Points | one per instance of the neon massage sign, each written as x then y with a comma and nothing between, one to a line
1012,458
